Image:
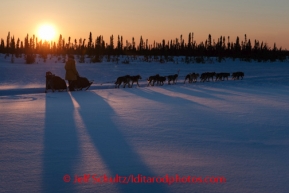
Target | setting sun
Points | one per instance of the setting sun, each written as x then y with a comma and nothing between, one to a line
46,32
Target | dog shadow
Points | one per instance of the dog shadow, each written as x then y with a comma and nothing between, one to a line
199,92
157,95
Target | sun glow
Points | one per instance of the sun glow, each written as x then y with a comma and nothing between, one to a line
46,32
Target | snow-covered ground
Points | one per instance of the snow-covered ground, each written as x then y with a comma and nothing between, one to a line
238,130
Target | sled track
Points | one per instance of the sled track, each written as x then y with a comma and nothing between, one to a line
99,86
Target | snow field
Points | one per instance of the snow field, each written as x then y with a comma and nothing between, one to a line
235,129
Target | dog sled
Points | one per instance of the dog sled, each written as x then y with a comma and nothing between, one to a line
82,83
56,83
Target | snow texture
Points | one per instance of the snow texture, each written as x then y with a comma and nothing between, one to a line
236,129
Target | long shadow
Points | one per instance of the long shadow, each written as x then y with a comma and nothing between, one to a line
213,119
154,95
118,155
60,144
198,92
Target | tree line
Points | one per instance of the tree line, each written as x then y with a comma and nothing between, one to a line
221,48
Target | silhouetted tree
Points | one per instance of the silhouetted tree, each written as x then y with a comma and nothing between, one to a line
220,48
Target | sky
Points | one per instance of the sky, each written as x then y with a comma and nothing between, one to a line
264,20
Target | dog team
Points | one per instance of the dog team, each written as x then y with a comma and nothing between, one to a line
78,83
191,77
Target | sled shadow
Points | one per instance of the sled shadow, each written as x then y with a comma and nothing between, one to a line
61,147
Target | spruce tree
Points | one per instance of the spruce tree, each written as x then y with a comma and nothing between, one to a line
8,41
141,44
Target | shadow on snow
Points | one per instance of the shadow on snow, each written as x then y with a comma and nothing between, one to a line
112,146
61,146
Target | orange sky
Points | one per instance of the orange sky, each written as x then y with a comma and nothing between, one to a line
263,20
